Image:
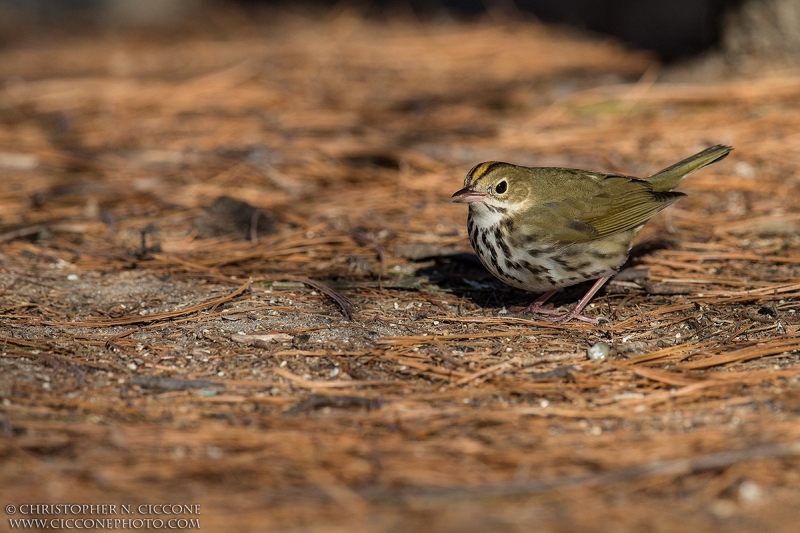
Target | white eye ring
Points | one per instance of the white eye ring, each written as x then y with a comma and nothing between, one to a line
501,187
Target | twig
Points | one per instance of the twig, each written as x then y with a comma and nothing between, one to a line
344,303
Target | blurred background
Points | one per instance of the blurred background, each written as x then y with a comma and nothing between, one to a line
672,30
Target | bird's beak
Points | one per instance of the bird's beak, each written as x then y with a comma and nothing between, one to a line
467,196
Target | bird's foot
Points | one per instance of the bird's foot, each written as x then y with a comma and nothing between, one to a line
548,314
535,309
574,314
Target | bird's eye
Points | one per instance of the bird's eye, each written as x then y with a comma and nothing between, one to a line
501,187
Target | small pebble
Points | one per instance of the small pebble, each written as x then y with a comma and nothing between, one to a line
72,277
599,351
750,492
213,452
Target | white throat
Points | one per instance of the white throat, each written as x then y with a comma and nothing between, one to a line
486,215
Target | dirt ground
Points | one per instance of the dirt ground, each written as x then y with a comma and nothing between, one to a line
330,356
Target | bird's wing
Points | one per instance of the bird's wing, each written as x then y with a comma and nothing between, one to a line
607,205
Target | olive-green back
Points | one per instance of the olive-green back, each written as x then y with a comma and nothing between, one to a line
578,206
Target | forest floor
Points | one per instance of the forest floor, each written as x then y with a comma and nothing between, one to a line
330,356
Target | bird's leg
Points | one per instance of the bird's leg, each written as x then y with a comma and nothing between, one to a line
576,313
535,308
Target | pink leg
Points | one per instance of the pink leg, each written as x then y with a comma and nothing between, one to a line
535,308
576,313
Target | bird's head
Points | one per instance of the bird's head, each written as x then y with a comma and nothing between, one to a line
494,186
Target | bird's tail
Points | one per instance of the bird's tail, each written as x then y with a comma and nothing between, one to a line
670,177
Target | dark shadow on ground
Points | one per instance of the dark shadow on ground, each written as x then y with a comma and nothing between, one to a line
463,274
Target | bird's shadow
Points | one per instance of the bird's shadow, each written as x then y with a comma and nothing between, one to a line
463,275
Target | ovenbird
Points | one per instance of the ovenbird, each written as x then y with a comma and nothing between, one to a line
541,229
